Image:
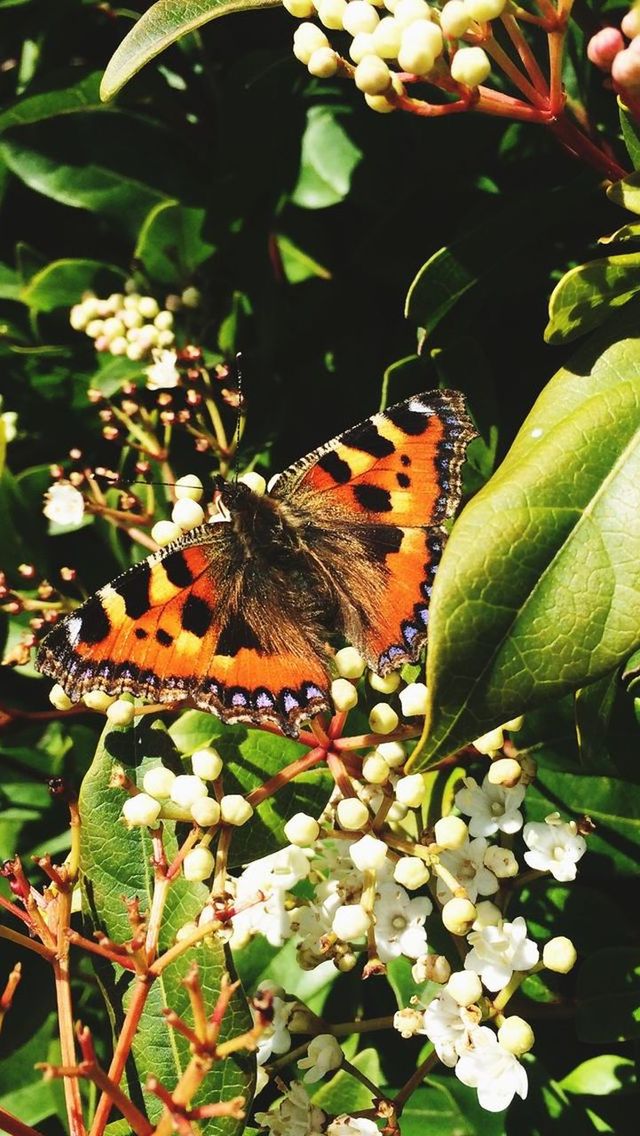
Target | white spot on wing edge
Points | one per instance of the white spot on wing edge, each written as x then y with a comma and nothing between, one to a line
74,627
419,407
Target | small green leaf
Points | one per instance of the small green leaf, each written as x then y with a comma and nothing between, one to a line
171,244
9,283
343,1093
608,996
630,134
586,295
626,192
80,95
601,1076
160,26
629,232
328,160
594,706
298,265
537,593
62,283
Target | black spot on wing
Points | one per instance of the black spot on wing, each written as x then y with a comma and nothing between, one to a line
177,570
164,638
413,422
140,633
134,589
334,465
235,635
405,459
403,479
367,439
95,623
380,541
373,498
197,616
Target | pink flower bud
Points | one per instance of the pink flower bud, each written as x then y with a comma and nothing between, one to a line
625,71
631,23
604,46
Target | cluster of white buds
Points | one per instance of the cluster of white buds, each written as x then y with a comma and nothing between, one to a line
131,325
609,50
395,40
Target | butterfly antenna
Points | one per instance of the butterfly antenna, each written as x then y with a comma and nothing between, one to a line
238,430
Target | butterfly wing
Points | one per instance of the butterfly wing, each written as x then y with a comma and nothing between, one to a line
195,622
378,496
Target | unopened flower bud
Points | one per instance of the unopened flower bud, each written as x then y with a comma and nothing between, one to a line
186,931
351,814
375,769
413,700
359,17
501,861
205,812
454,19
189,487
140,810
393,753
471,66
302,830
344,694
505,771
408,1022
158,782
372,76
408,12
186,789
387,37
411,872
301,9
235,809
350,921
59,699
368,853
465,987
483,10
206,763
349,663
187,514
307,39
458,916
323,63
361,45
98,700
411,790
331,13
516,1036
198,864
255,482
148,307
431,968
383,718
631,22
491,742
560,955
450,832
120,712
164,532
344,962
385,685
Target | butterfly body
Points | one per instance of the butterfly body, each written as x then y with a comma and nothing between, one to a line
237,616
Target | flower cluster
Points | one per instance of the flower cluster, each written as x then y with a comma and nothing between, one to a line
130,325
609,50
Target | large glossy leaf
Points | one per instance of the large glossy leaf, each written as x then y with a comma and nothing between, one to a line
62,283
115,864
79,95
171,245
587,295
538,591
328,160
160,26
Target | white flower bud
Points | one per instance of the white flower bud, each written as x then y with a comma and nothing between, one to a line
491,742
186,789
487,915
383,718
351,814
164,532
187,514
368,853
191,297
132,299
186,931
256,481
118,345
147,336
516,1036
120,712
408,12
505,771
189,488
350,921
94,328
158,782
397,813
387,684
411,872
165,338
359,17
205,812
140,810
375,769
361,45
514,724
344,694
501,861
393,753
421,45
471,66
450,832
131,319
408,1022
302,830
431,968
198,864
301,9
631,22
112,327
98,700
413,700
372,76
148,307
560,955
79,317
235,809
307,39
465,987
411,790
458,916
331,13
349,663
454,19
206,763
323,63
135,351
483,10
387,37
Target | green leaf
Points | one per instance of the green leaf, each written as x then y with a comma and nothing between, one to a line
171,245
601,1076
629,232
586,295
626,192
160,26
537,593
630,134
9,283
116,864
328,160
23,1091
250,758
343,1093
594,706
62,283
58,100
298,265
608,995
631,673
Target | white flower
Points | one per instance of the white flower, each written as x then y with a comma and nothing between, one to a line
492,1070
64,504
163,372
324,1053
450,1027
408,1021
554,847
499,950
294,1115
352,1126
10,424
467,865
492,808
263,887
399,923
275,1039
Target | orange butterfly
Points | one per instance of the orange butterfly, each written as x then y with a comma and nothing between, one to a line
235,617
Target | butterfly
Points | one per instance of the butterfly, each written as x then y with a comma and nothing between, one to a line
237,615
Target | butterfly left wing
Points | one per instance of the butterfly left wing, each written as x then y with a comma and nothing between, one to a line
378,496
